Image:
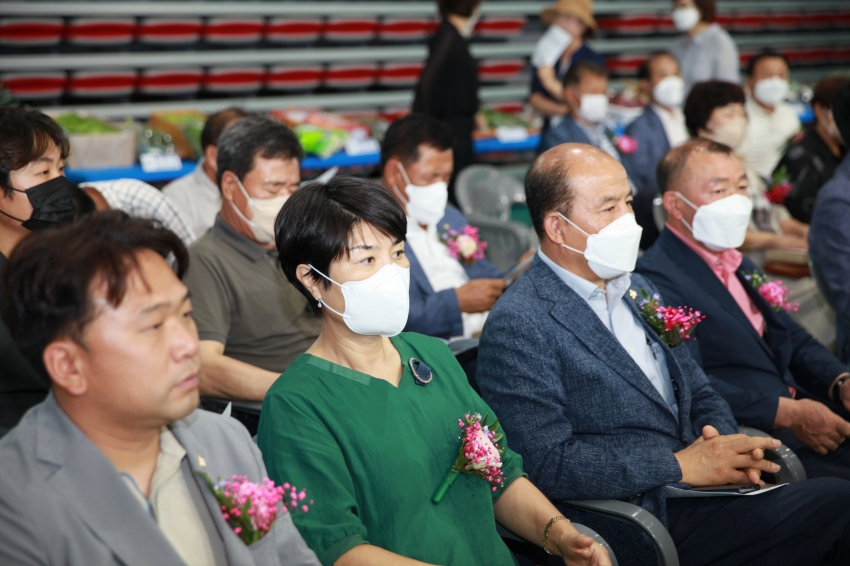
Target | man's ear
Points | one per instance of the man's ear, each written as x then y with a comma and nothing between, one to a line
553,228
228,185
63,362
645,87
672,204
211,156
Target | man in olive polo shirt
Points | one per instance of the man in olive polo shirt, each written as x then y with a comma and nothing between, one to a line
252,323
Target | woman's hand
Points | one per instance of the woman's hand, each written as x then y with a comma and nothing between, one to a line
581,550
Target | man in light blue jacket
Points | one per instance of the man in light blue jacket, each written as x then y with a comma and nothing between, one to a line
601,406
107,470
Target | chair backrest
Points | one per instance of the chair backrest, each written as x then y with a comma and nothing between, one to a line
506,241
486,191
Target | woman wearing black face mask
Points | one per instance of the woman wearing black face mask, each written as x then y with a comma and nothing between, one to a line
34,194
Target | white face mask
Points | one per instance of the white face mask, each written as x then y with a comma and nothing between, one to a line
669,92
684,19
264,213
722,224
469,28
614,250
771,92
731,133
425,205
594,107
377,305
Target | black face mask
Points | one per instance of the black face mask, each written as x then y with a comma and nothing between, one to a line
52,204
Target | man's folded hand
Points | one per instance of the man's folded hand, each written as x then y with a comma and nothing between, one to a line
718,460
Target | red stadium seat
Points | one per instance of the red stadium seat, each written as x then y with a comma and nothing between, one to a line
351,75
625,64
841,20
170,82
804,56
816,20
100,31
31,32
351,29
102,84
305,77
500,27
400,74
492,71
169,31
510,107
840,55
748,21
783,21
227,80
233,30
631,23
406,28
724,20
35,86
393,114
294,30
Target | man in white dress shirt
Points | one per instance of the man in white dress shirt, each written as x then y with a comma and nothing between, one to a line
773,123
447,299
196,195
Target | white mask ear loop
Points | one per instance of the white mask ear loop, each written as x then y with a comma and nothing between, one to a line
406,180
250,202
577,228
321,302
692,205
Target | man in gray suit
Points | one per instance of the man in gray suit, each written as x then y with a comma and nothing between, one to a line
104,471
601,407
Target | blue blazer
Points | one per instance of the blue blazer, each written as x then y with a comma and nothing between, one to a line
588,422
565,132
652,145
438,314
829,246
749,371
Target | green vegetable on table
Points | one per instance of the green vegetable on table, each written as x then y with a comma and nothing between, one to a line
497,119
76,124
319,141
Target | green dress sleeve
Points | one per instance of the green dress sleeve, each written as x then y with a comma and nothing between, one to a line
288,426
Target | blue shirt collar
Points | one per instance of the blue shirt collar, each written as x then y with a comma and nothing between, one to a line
585,289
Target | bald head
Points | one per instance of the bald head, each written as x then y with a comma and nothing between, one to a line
558,176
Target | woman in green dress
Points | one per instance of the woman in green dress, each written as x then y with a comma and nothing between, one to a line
369,419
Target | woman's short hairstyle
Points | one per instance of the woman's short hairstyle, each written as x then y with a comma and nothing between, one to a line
707,9
462,8
49,278
316,224
25,135
703,100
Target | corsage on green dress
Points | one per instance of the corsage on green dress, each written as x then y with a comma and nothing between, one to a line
372,455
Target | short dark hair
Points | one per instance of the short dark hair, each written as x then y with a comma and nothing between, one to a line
548,187
766,53
254,136
405,135
315,224
644,69
672,164
578,70
463,8
49,278
826,89
707,9
841,112
704,98
25,135
217,123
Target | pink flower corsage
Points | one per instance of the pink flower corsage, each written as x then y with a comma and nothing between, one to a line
464,245
626,145
780,186
775,293
479,454
673,324
251,508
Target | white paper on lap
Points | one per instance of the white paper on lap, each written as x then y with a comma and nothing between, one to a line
675,492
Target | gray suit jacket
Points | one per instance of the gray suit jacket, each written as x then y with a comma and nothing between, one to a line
63,502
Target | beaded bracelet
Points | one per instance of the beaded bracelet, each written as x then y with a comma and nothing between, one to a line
551,522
